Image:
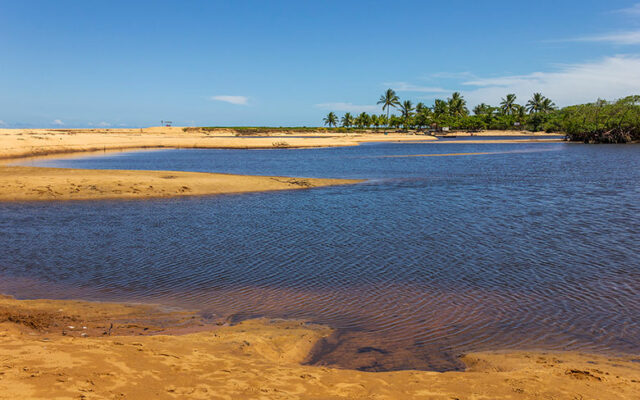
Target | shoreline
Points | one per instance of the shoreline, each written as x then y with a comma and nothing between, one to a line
21,143
20,183
67,348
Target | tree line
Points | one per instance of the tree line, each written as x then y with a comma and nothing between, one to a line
602,121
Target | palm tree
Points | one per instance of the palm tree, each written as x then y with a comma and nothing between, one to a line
347,120
395,121
457,105
534,105
363,120
547,105
383,120
406,109
331,119
375,121
423,116
440,108
483,109
407,112
520,113
508,104
389,99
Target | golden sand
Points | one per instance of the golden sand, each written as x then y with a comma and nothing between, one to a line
28,184
71,350
31,183
16,143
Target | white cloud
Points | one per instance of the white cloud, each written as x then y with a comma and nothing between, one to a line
609,78
2,123
624,38
348,107
238,100
633,10
57,122
407,87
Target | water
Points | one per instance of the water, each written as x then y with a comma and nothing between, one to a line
532,246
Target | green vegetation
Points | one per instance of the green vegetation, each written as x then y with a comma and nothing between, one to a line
599,122
331,119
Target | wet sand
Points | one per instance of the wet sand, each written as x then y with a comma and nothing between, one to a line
69,349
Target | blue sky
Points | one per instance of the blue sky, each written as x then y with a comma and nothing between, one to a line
282,63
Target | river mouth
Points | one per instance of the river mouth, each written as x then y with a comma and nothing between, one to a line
495,246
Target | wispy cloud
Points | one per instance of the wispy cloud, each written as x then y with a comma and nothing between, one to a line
348,107
2,123
408,87
57,122
624,38
102,124
238,100
610,78
633,10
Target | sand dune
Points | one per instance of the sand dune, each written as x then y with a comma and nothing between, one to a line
66,349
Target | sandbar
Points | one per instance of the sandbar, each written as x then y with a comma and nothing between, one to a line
19,183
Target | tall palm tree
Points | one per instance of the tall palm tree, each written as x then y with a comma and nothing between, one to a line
534,105
331,119
423,115
508,104
407,112
547,105
440,108
389,99
457,105
406,108
347,120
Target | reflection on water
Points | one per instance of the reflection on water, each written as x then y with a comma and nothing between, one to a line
529,246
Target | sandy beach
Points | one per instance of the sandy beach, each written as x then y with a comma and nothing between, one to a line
70,349
17,143
33,184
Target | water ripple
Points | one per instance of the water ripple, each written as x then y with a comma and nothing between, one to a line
522,246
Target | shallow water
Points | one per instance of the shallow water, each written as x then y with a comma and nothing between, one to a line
527,246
